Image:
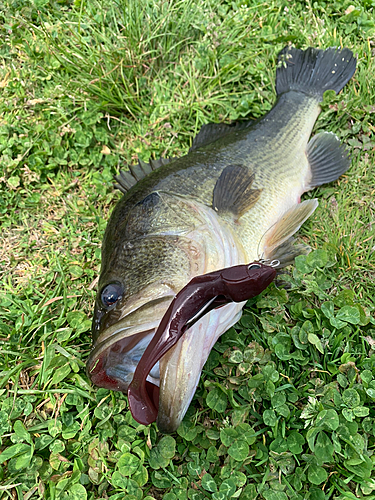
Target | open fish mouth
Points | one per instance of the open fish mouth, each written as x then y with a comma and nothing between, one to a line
113,366
118,349
172,380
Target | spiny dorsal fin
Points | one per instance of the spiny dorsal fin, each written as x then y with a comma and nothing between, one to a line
328,158
287,225
126,179
211,132
233,193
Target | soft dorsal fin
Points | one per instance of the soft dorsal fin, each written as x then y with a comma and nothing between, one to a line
233,192
287,225
211,132
126,179
328,158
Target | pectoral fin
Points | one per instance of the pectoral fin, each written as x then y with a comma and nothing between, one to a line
233,192
287,252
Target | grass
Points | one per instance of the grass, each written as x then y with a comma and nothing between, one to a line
284,409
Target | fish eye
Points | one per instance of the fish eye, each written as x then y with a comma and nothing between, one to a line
110,294
254,266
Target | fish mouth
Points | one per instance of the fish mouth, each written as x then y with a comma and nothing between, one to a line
172,381
118,349
112,366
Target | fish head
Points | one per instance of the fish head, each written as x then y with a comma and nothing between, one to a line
148,255
134,293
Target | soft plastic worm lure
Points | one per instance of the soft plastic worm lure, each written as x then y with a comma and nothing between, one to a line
201,295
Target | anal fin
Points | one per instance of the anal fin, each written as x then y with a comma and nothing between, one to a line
286,226
327,157
287,252
233,192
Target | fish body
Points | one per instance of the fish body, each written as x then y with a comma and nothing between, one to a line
233,199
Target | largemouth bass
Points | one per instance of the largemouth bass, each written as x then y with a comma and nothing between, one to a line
234,198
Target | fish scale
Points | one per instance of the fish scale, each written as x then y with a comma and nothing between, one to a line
234,198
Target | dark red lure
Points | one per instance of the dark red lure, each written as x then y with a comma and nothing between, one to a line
197,298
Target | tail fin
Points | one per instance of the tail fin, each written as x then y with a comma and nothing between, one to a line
313,71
